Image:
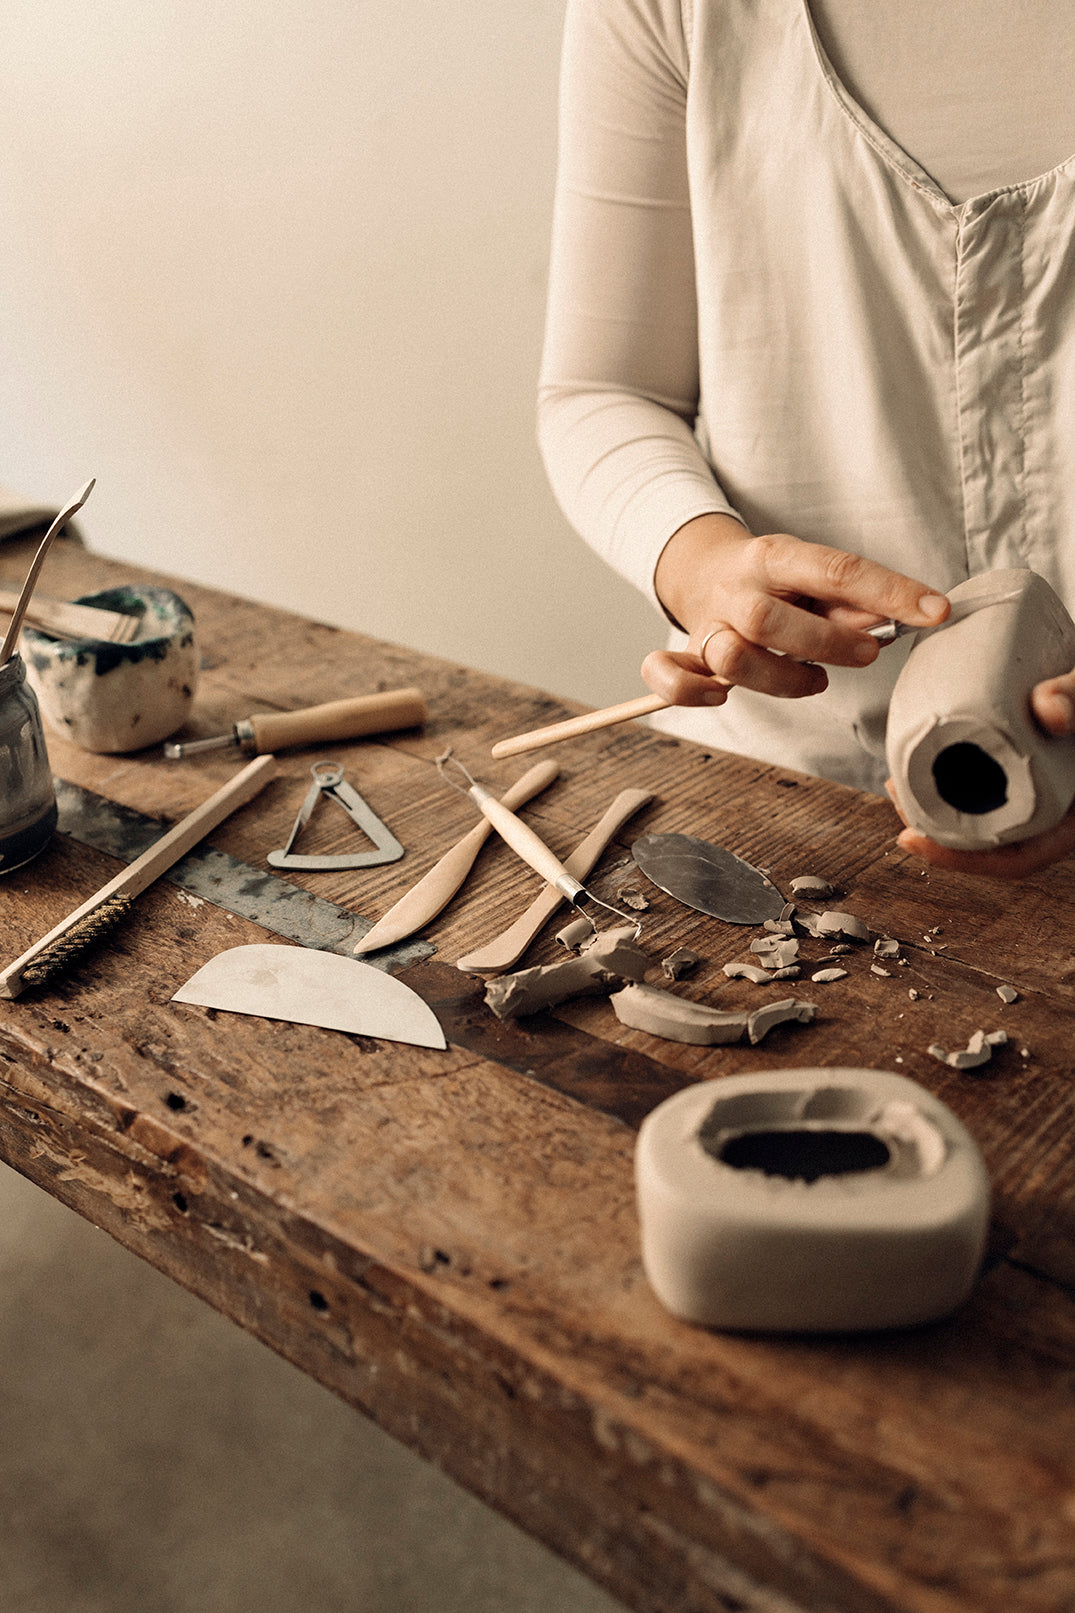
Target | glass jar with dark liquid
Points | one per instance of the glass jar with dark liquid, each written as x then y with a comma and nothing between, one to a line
27,798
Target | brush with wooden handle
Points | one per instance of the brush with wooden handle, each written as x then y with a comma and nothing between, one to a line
107,906
495,956
65,618
353,718
435,890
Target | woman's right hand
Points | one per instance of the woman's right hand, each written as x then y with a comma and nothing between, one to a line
761,612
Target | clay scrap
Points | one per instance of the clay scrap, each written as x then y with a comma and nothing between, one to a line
748,971
775,951
678,1019
979,1050
811,885
845,925
611,957
680,962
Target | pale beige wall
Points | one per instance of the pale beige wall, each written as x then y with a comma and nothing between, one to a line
275,274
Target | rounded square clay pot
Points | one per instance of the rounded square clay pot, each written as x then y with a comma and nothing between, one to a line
114,698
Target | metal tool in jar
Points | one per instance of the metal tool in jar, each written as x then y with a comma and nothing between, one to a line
27,796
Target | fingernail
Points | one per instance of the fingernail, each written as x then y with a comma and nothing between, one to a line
933,606
866,652
715,697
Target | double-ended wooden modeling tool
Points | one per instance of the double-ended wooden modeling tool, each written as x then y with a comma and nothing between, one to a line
435,890
107,906
496,956
380,713
531,848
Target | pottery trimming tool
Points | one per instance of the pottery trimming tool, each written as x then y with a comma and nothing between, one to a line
435,890
498,955
708,878
329,784
11,638
338,719
108,905
307,987
530,847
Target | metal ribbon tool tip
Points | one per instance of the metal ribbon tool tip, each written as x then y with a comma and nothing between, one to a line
527,845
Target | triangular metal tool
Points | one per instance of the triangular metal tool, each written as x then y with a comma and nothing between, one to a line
329,781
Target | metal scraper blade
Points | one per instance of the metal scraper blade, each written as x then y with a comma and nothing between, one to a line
708,878
308,987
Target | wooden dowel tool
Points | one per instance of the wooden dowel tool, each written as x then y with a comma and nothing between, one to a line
643,706
106,906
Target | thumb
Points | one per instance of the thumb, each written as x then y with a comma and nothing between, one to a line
1053,704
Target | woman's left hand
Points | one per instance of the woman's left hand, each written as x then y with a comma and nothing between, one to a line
1053,705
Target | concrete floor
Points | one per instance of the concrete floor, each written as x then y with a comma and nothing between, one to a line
155,1459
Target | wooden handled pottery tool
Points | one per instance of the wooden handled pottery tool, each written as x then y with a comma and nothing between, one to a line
75,620
105,907
644,706
329,782
533,850
499,954
22,603
433,892
337,719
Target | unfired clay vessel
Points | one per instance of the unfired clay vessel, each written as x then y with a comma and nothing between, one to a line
810,1200
114,698
970,765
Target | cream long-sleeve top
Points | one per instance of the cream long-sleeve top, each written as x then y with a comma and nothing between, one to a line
762,303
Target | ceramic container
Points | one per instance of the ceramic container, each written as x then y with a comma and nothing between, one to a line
27,797
812,1200
115,698
971,767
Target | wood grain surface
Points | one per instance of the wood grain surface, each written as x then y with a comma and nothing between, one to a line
448,1239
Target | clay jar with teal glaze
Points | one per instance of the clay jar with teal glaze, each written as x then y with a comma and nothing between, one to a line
114,698
27,798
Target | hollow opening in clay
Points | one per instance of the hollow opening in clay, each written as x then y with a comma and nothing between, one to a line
799,1154
969,779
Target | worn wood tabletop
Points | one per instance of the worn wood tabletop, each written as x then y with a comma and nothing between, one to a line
449,1239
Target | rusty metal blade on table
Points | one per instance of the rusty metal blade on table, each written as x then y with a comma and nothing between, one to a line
435,890
708,878
307,987
499,954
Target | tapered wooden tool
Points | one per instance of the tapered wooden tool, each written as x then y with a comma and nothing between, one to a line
644,706
433,892
508,948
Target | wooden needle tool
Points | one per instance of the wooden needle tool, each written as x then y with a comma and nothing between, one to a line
530,847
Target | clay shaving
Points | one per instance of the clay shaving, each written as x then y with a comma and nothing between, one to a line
677,1019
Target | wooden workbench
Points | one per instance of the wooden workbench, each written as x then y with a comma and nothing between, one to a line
448,1239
